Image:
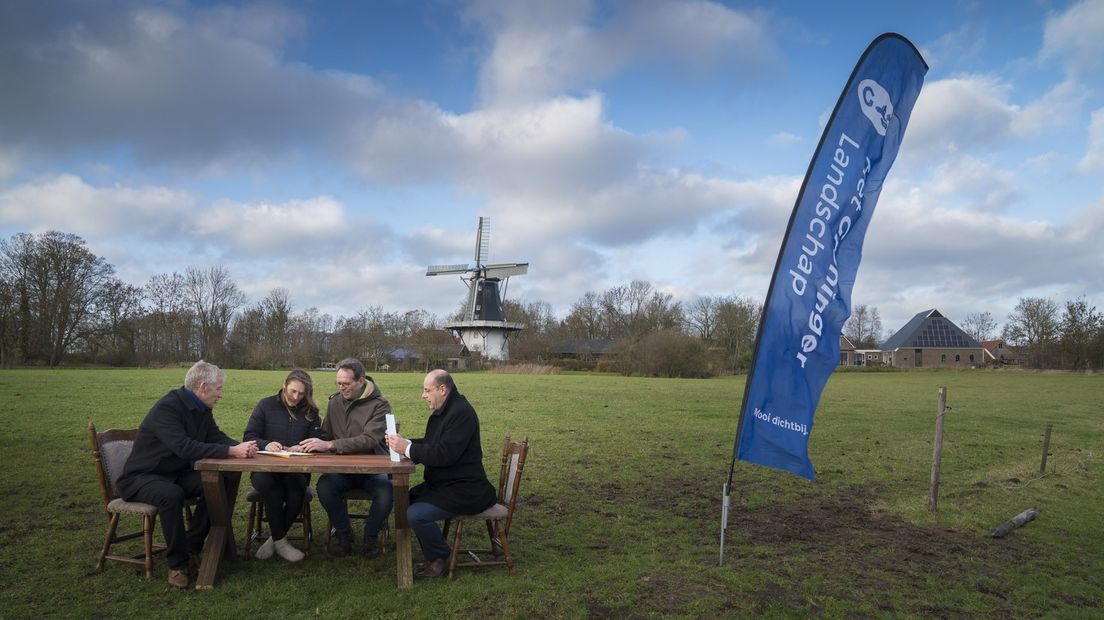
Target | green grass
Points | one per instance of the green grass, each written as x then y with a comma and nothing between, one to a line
620,505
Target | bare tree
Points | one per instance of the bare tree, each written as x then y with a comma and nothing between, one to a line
9,326
864,327
1078,327
536,341
167,332
701,316
585,320
214,298
311,338
118,312
979,325
58,283
737,324
1033,325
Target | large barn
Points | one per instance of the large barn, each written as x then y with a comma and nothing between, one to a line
931,340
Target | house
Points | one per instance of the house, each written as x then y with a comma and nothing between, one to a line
931,340
847,352
584,349
1001,353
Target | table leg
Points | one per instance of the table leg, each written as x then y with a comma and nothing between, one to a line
404,563
220,507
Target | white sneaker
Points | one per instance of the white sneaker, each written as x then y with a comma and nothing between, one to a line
265,551
286,551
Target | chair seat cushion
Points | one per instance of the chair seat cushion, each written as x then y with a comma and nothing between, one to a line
498,511
255,496
119,505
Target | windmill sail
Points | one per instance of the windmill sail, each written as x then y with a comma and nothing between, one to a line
483,327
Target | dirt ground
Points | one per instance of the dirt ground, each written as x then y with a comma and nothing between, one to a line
834,546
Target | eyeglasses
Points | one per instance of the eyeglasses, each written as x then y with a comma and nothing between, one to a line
342,384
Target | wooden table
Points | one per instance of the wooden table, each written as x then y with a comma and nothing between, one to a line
221,497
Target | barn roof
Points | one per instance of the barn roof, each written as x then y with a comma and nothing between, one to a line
930,329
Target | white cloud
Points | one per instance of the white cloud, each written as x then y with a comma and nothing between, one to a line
540,49
66,202
1061,105
965,260
961,112
1077,37
784,139
1094,154
974,184
193,87
9,163
273,228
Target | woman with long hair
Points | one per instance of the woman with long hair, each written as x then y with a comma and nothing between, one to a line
280,422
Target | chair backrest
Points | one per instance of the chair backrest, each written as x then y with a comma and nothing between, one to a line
513,462
110,450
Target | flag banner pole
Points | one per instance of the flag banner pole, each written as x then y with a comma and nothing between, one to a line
809,299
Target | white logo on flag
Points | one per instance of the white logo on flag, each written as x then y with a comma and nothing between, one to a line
876,105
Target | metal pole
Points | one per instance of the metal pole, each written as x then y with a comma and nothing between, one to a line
724,520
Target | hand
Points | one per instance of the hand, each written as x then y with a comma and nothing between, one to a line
398,443
274,446
313,444
295,448
244,450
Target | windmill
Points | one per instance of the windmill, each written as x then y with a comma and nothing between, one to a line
483,326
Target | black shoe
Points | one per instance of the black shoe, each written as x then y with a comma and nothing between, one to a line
344,543
433,568
371,546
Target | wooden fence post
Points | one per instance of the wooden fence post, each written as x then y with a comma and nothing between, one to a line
937,449
1046,448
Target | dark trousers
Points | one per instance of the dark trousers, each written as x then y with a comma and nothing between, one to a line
283,498
332,487
168,493
423,518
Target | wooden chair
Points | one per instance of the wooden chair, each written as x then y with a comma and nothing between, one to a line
110,450
254,531
497,517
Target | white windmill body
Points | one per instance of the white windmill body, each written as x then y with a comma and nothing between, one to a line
483,326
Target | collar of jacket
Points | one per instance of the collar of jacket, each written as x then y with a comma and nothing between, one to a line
193,400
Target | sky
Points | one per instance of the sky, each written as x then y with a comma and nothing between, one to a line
338,148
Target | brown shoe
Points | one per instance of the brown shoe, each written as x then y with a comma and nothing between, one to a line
178,578
433,568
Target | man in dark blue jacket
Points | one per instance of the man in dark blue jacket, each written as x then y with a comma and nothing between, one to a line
455,481
176,433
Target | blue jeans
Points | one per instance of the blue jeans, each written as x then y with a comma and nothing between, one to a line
331,488
423,518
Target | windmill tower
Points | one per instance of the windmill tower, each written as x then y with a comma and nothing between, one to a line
483,326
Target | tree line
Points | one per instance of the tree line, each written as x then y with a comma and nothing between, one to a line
62,303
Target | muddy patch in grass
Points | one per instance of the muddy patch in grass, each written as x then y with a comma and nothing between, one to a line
828,545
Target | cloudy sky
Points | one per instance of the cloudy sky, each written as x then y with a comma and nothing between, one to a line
336,148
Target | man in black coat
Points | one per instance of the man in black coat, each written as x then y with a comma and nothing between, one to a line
176,433
455,481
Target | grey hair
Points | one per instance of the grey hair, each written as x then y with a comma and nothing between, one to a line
202,372
353,365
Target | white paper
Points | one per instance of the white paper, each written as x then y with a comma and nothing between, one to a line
391,431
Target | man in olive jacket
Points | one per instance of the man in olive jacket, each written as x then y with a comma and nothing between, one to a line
178,431
355,424
455,481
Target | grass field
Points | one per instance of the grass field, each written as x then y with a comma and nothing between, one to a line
620,507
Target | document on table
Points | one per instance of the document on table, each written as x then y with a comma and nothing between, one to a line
284,453
391,431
